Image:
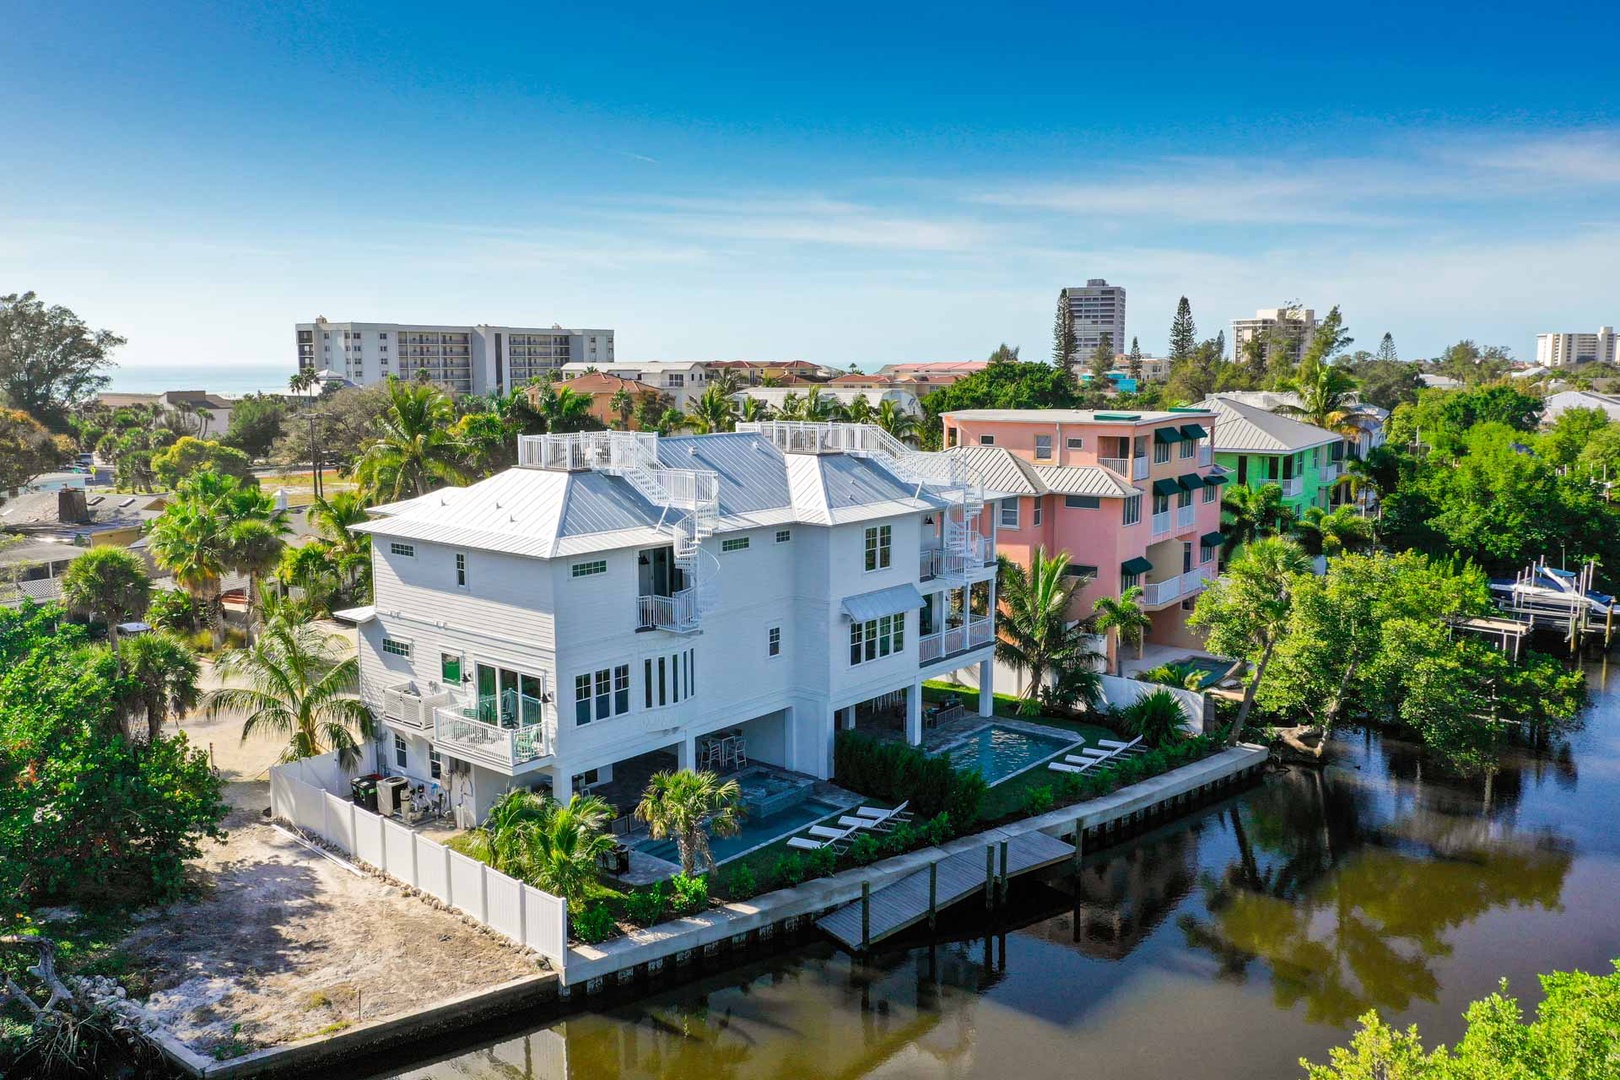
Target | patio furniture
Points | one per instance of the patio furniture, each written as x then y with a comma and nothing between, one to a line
805,845
826,832
1059,766
1132,747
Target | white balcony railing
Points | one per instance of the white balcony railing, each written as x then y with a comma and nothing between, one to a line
1291,488
1139,468
1155,593
1331,471
955,639
930,561
1186,516
977,552
678,612
1195,579
412,708
1118,464
1161,524
1206,454
470,739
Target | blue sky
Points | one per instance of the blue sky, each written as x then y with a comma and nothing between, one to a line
836,182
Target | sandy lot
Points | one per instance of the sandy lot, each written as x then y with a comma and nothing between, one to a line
286,942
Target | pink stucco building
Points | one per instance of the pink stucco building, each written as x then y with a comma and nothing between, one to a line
1133,498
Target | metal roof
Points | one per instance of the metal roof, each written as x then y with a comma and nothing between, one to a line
864,607
753,474
1004,473
1084,480
599,503
1245,428
1075,416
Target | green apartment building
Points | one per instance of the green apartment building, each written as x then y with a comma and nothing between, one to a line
1257,447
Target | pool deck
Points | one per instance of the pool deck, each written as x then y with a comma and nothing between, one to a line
959,731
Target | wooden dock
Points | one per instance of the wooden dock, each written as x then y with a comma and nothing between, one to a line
982,871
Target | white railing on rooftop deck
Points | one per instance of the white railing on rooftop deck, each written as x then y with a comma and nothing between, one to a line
412,708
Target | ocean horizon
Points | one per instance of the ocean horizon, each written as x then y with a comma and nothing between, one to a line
236,379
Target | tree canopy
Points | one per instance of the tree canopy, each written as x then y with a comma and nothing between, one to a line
50,360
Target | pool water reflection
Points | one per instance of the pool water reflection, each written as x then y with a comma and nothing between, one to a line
1226,945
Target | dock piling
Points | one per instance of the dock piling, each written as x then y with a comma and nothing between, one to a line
933,893
989,876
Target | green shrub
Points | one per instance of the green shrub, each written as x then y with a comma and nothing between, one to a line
644,907
594,923
939,829
864,850
1155,718
1072,787
788,871
1038,800
740,883
821,862
901,839
689,894
894,772
173,609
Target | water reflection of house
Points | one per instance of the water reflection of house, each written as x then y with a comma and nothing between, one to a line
1119,901
809,1018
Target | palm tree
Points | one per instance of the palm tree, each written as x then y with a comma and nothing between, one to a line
536,839
255,550
792,406
690,806
1326,398
414,448
754,410
728,381
820,407
1253,512
110,582
1156,718
335,519
1122,618
162,672
621,405
562,409
713,412
300,687
860,410
1330,533
671,421
894,419
193,543
1037,635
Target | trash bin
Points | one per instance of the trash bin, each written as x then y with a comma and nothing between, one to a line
364,791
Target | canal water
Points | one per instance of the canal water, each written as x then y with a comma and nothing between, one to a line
1224,945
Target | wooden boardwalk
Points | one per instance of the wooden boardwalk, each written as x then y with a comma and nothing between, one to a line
904,903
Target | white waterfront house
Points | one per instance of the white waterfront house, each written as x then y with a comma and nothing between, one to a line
618,593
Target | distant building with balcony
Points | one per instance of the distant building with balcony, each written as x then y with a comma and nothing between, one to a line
1133,497
462,359
1288,331
1257,447
1098,311
617,599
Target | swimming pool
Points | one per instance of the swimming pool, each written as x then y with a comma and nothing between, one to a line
998,751
755,831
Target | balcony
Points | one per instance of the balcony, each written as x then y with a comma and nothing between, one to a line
410,708
1206,454
930,561
1155,593
1139,468
460,732
1118,464
1161,524
677,613
1332,471
1290,488
954,640
1195,579
1186,516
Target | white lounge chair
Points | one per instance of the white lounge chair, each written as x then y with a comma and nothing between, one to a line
1133,747
805,845
1061,766
826,832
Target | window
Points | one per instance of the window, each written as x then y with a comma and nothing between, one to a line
647,682
395,647
1209,493
1082,502
784,535
673,379
950,436
587,569
435,764
1043,448
736,543
987,440
604,694
450,668
461,570
402,753
1133,510
876,638
1205,553
1183,498
1128,580
1161,452
879,547
407,550
621,689
582,699
1188,448
1009,513
774,638
1037,515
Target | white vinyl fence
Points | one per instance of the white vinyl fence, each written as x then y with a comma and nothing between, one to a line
1121,692
509,907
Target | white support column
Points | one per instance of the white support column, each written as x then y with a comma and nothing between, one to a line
914,729
987,688
847,718
562,784
686,752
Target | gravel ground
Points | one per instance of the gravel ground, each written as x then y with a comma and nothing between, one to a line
285,942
